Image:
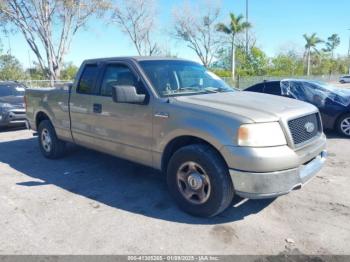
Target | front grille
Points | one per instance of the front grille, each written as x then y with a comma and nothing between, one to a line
299,128
22,112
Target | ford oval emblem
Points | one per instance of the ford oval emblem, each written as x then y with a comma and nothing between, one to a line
309,127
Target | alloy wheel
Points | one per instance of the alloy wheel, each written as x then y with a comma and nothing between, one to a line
46,141
345,126
193,182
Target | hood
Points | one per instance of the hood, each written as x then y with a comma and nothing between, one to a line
257,107
16,101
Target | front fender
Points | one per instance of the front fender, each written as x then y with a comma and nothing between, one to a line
216,135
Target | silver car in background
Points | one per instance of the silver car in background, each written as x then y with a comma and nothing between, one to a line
344,79
12,108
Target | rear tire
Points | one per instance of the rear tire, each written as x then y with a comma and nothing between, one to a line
343,125
342,81
50,146
199,180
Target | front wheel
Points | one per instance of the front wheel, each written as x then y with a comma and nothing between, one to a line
50,146
343,125
199,180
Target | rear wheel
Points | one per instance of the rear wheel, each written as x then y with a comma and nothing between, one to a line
342,81
343,125
199,180
50,146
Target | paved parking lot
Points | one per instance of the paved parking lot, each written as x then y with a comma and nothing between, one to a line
347,85
91,203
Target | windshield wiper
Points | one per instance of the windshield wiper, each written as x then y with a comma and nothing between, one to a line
194,91
209,91
187,88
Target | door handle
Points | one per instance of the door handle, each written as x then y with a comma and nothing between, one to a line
97,108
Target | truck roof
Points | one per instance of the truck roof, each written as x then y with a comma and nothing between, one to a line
134,58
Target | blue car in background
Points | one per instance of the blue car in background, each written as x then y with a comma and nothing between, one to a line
333,102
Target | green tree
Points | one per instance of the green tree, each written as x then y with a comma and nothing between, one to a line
311,44
69,71
36,73
288,63
255,64
10,67
323,64
332,43
223,60
235,27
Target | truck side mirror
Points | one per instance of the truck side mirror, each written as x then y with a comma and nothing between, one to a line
127,94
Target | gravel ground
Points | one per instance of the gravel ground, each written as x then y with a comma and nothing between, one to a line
91,203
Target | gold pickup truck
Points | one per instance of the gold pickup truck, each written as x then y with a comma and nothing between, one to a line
210,140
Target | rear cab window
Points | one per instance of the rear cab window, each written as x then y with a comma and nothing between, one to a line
87,81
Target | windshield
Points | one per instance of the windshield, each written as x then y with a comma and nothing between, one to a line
11,90
174,78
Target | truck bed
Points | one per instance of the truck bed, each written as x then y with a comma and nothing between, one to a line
53,101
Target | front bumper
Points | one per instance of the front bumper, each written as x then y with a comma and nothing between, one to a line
272,184
13,117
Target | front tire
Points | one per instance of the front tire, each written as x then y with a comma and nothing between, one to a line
50,146
199,180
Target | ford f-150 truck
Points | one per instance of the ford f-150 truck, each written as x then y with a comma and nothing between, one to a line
210,140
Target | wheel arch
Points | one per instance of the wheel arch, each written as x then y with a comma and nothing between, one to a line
181,141
39,117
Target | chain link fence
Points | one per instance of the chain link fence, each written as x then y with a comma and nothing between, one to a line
44,83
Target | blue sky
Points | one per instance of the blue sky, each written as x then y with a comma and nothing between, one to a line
277,24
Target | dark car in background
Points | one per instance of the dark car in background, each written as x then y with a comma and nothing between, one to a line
12,108
332,102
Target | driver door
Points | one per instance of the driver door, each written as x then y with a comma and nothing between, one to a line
122,129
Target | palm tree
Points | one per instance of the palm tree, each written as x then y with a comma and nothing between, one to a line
235,27
332,43
311,43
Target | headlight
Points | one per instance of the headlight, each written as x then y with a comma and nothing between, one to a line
261,135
